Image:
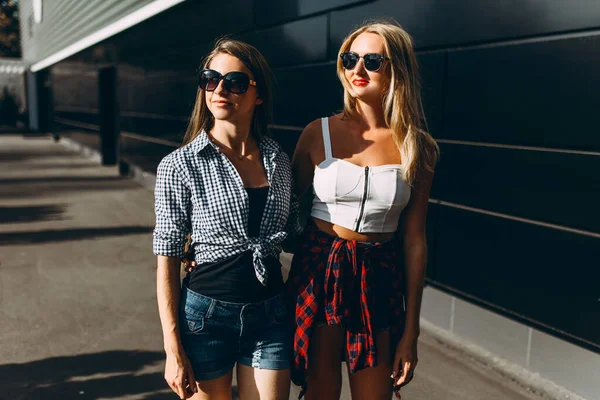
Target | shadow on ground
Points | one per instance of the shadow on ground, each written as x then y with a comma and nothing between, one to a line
29,155
47,187
31,213
63,235
111,374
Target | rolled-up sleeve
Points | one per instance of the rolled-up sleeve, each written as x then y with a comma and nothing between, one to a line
172,206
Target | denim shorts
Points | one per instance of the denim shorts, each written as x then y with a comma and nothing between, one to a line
217,334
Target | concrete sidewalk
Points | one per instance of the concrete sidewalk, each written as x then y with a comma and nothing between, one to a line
77,289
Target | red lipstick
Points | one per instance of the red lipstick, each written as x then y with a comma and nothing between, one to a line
360,82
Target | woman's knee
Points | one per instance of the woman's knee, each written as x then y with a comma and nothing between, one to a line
214,389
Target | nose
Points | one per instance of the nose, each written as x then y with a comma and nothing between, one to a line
221,87
360,66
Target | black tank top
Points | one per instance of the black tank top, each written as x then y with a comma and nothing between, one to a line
233,279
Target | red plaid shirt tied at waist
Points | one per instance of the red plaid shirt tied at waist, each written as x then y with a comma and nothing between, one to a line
345,282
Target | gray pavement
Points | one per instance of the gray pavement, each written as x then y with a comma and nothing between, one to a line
78,316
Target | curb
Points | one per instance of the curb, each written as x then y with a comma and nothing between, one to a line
146,179
517,374
94,155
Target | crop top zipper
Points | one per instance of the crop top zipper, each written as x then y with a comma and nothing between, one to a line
364,199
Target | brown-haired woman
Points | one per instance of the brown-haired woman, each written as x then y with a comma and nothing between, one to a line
230,188
357,276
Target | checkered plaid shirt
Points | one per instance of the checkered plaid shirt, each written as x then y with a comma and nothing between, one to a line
198,191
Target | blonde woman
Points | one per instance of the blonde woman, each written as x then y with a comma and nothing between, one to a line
230,188
357,276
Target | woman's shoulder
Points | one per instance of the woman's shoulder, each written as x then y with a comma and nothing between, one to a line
270,143
314,129
315,126
176,160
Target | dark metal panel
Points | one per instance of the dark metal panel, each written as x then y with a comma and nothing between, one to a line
109,115
557,188
287,138
432,68
545,277
297,42
306,93
180,37
432,223
539,94
67,21
273,11
436,23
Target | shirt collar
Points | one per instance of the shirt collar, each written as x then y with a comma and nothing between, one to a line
201,142
267,145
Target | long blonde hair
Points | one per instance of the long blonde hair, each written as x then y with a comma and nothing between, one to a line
203,120
402,105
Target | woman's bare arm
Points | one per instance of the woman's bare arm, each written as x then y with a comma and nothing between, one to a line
415,262
415,249
303,165
168,289
178,372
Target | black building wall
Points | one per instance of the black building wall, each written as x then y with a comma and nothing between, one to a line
511,93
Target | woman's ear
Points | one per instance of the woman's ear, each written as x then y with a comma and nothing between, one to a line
258,101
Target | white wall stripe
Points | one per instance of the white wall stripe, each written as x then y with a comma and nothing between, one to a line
91,110
150,139
542,38
514,218
286,127
130,135
515,147
77,124
128,21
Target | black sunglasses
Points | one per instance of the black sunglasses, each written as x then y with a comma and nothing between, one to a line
234,82
373,61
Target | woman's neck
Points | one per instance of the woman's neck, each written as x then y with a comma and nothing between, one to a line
235,136
370,115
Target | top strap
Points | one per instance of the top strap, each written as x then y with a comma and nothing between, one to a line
326,138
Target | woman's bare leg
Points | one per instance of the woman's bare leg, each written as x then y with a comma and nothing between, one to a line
375,383
324,375
263,384
215,389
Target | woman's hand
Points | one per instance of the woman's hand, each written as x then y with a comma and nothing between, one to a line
188,261
179,374
405,360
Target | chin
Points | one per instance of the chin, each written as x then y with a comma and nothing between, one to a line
367,95
222,114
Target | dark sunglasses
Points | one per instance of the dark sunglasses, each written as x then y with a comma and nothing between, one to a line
372,61
234,82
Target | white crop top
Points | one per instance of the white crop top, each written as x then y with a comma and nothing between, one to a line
363,199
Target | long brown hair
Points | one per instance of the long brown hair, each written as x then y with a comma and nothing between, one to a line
203,120
402,105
